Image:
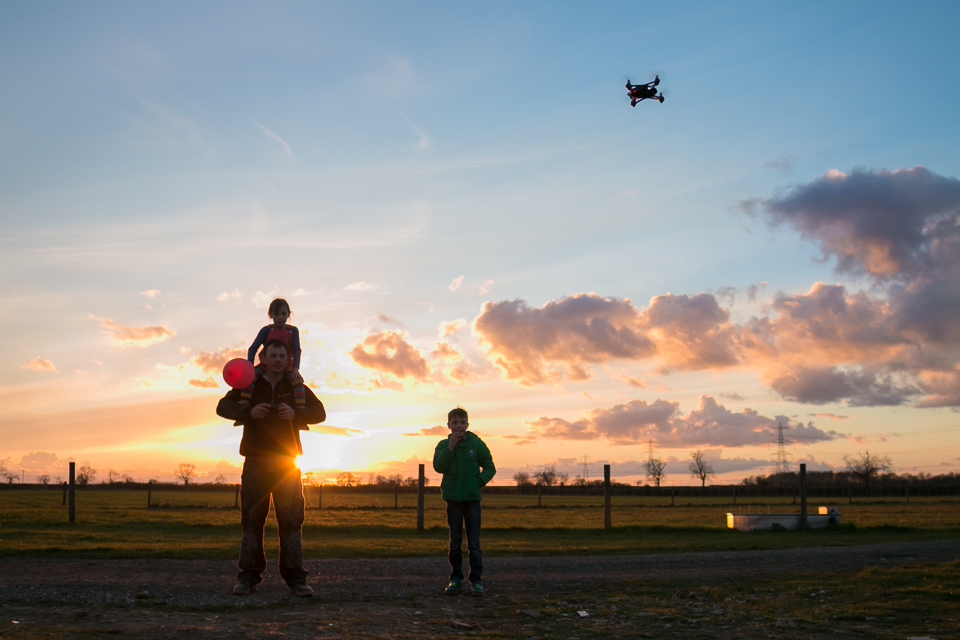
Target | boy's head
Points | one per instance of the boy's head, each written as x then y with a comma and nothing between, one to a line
457,420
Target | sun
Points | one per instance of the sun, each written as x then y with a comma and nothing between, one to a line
321,452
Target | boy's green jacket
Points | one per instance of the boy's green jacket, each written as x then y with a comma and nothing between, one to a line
461,468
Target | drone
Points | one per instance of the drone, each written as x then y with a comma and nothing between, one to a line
640,92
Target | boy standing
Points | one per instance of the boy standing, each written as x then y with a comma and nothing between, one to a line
466,465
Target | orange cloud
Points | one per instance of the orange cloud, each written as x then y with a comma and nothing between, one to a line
389,352
214,362
134,336
439,430
206,383
39,364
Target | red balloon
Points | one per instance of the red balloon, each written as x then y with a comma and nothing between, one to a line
238,373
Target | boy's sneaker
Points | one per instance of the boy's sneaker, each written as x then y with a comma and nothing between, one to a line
301,589
453,588
477,588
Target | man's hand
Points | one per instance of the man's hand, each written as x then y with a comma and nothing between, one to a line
285,412
260,411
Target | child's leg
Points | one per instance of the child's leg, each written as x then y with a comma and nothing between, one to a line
471,517
455,522
299,395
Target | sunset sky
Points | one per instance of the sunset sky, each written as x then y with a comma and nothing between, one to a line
463,209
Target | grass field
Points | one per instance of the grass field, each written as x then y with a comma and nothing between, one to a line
202,524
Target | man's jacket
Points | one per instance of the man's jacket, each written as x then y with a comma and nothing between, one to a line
465,469
271,436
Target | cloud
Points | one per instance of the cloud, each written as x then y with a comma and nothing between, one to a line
213,362
134,336
536,345
286,148
226,295
150,293
387,319
262,300
710,424
446,352
859,386
447,329
206,383
783,164
881,223
455,284
389,352
634,382
39,460
360,286
484,288
439,430
39,364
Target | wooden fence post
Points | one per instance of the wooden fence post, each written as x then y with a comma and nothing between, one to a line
320,495
671,497
73,499
803,495
420,500
538,495
734,495
64,484
149,492
396,495
606,497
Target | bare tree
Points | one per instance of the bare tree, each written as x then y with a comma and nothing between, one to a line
309,479
655,467
867,467
546,478
113,476
185,471
44,479
346,479
10,475
86,475
222,479
699,467
522,478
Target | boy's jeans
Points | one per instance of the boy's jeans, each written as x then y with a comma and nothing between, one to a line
458,514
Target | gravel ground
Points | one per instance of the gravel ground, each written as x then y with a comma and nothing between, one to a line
393,598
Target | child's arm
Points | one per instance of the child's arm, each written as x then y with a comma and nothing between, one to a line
443,458
487,468
257,343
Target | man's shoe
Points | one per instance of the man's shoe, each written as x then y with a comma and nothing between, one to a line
453,588
243,588
301,590
477,588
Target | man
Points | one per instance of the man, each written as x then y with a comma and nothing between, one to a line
270,445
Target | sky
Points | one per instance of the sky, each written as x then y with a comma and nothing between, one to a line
463,209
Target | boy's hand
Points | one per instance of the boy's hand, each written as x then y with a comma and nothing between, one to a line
454,438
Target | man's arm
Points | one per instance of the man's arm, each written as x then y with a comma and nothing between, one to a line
313,411
231,408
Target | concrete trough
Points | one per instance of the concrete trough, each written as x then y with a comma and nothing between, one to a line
826,516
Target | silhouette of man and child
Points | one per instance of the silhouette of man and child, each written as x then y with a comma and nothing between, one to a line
273,410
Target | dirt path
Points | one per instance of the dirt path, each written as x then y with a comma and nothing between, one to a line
62,598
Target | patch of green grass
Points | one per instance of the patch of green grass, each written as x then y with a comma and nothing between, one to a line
119,524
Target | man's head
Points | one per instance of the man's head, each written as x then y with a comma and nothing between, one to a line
457,420
274,356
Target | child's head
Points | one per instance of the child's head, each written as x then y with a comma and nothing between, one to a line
279,311
457,420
